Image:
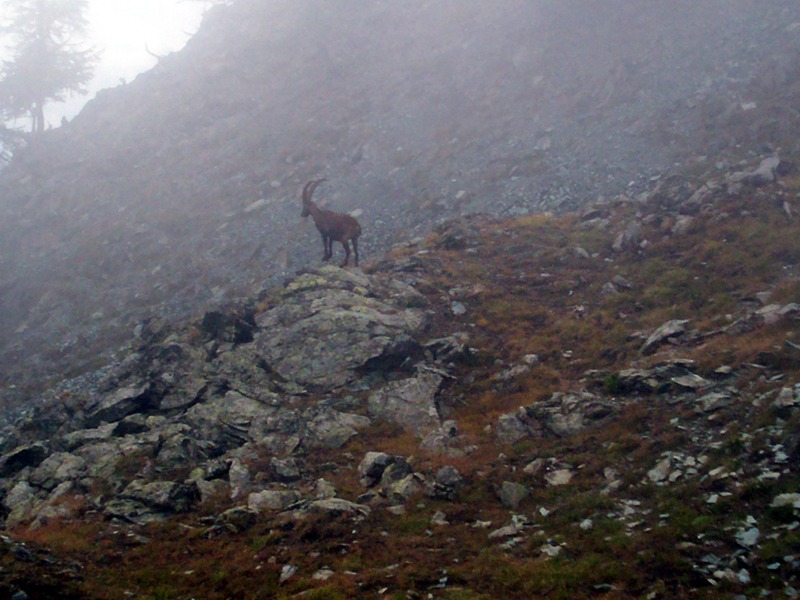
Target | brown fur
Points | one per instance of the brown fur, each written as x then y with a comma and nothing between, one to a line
332,226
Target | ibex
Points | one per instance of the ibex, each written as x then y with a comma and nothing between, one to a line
333,226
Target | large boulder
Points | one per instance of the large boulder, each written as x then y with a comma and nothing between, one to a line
230,420
142,501
21,503
330,323
272,500
372,466
560,415
447,484
121,403
328,428
410,403
56,469
24,456
669,331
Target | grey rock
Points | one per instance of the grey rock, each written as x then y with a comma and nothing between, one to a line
792,499
682,224
229,421
513,373
609,289
580,252
791,310
629,238
215,469
512,427
212,491
163,496
535,466
237,519
176,448
372,466
559,477
273,500
397,492
456,234
287,572
232,327
396,471
692,381
58,468
337,506
449,476
239,478
84,437
330,428
566,414
669,330
121,403
25,456
439,519
53,508
324,489
458,308
551,550
765,173
774,313
748,538
284,470
713,402
504,532
560,415
410,403
447,485
330,324
323,575
787,398
661,471
453,348
103,461
188,393
405,295
512,494
658,379
131,425
21,502
444,439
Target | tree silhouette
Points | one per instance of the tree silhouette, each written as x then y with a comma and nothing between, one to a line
48,57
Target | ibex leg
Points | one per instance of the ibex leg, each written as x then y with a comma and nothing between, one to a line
346,253
355,249
325,244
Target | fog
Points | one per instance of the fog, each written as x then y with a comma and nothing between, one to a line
179,190
127,35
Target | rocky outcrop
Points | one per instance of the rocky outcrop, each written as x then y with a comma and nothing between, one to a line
25,456
142,500
330,324
561,415
409,402
330,450
268,383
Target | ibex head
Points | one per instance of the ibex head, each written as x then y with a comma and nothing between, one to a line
308,191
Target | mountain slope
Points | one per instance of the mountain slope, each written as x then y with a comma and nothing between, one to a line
179,190
601,404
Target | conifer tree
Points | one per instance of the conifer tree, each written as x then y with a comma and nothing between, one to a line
48,56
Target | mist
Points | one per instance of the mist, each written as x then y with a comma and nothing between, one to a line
179,190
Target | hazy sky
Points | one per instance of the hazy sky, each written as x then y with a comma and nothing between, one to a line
122,30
